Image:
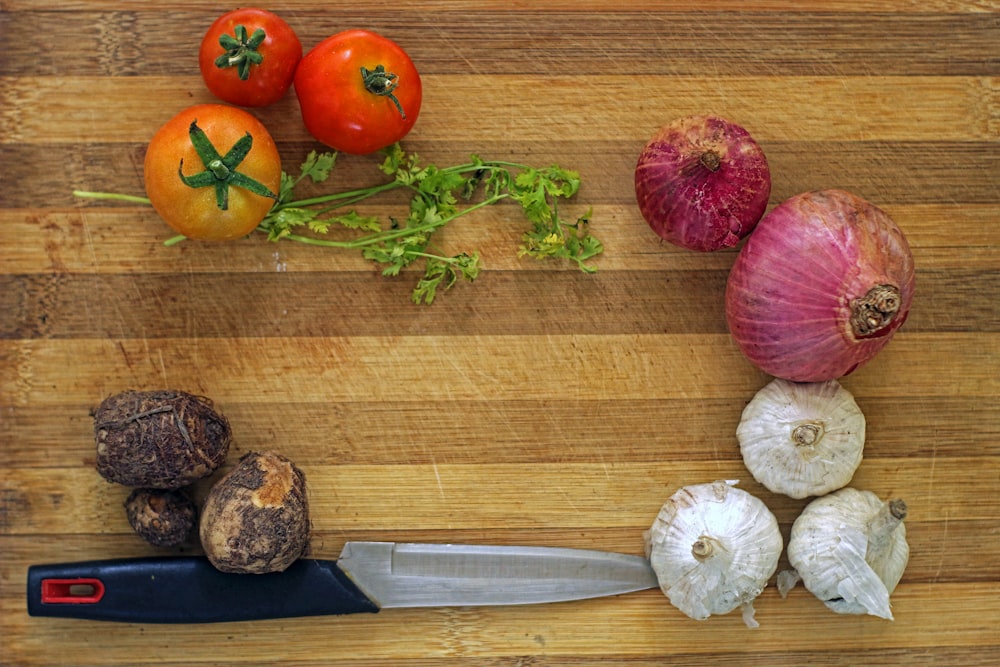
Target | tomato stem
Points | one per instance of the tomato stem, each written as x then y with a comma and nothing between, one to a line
220,170
382,83
241,51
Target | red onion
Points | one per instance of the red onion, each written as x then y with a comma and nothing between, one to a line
702,183
820,287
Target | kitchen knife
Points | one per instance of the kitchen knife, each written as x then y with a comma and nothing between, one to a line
367,577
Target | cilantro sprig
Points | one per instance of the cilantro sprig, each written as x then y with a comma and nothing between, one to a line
438,197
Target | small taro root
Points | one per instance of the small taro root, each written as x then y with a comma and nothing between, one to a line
162,518
159,439
256,519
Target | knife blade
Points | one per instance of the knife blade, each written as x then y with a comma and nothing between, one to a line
367,577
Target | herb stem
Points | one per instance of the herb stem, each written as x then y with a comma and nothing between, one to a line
87,194
391,234
354,195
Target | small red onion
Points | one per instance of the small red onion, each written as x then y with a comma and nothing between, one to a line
702,183
820,287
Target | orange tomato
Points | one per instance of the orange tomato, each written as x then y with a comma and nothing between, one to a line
212,172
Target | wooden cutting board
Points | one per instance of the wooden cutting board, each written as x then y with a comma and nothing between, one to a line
537,405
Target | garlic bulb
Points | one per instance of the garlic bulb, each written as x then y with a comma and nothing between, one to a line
713,548
802,438
850,550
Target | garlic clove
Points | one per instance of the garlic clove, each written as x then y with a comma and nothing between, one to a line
802,439
713,548
850,550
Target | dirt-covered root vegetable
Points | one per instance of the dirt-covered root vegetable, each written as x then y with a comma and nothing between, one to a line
256,518
159,439
162,518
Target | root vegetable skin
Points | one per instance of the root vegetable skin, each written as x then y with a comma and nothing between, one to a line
159,439
162,518
256,519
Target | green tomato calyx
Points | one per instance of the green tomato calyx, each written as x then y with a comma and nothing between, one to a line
241,51
382,83
220,170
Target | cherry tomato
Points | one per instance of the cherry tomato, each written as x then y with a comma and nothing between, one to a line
359,92
248,57
212,172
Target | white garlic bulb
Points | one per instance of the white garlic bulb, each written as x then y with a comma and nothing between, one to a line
713,548
849,549
802,438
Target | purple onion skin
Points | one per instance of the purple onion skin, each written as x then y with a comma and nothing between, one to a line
702,183
820,287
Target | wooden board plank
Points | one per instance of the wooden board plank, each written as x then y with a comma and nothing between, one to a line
89,240
537,405
813,108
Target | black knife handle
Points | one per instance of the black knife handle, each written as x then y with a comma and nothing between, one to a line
189,590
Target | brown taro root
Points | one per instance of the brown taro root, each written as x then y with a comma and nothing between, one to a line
162,518
256,519
159,439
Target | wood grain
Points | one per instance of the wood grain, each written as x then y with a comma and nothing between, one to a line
538,405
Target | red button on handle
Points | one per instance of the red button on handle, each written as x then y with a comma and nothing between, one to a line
72,591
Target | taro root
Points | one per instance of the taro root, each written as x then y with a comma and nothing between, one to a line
256,519
159,439
162,518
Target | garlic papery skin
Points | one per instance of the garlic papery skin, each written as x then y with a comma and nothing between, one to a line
713,548
802,439
849,549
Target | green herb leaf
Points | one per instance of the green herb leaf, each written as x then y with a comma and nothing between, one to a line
318,166
363,222
444,273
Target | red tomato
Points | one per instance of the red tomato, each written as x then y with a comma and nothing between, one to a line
212,172
248,57
359,92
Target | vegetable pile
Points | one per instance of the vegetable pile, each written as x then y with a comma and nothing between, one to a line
254,520
819,287
213,172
